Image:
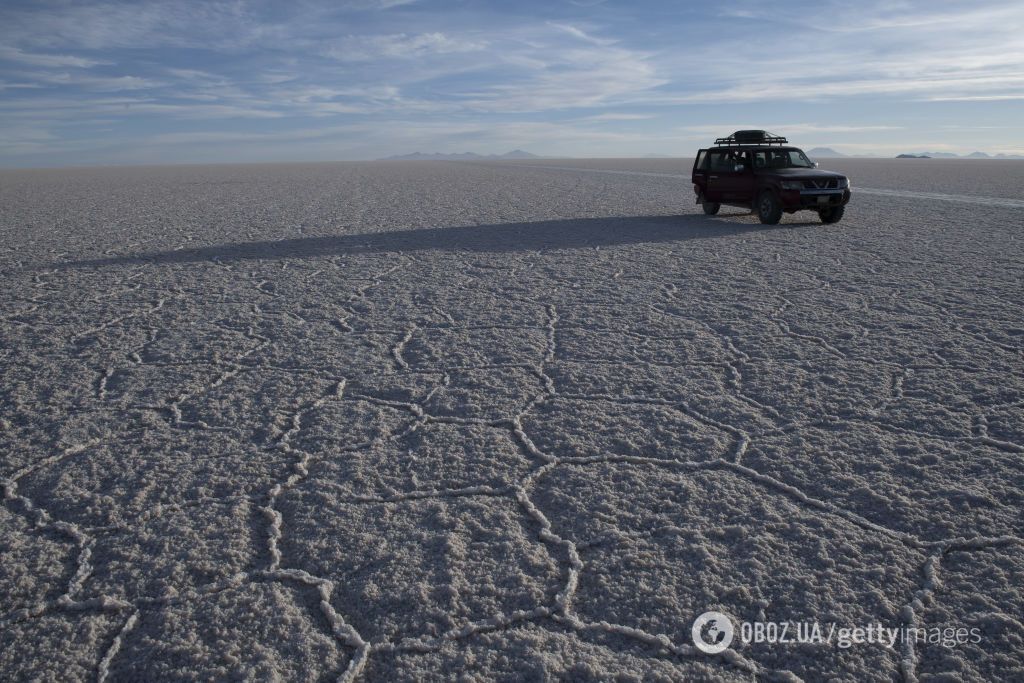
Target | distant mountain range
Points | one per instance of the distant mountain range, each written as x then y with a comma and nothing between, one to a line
465,156
829,153
950,155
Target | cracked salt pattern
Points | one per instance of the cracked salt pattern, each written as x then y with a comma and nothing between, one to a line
408,420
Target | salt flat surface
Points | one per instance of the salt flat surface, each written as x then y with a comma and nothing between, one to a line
411,421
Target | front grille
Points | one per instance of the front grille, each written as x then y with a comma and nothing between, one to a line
823,184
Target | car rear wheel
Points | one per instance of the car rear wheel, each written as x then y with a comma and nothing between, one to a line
769,209
710,208
832,214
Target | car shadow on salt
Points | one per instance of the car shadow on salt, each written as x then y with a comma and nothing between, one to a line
575,233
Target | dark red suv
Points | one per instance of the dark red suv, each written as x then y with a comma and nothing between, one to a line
756,170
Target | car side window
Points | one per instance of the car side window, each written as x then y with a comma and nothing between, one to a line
725,161
719,161
760,159
702,160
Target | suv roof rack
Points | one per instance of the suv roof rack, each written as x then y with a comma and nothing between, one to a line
751,137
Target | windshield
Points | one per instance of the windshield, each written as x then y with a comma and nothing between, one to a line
781,158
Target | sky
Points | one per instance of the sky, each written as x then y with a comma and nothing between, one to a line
93,83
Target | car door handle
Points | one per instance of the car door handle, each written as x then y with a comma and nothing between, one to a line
714,177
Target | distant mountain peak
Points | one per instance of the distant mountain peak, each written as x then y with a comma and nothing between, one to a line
518,154
824,152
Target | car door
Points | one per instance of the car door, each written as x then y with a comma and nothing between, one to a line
720,166
700,172
736,183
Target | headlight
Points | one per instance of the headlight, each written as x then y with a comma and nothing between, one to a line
844,183
792,185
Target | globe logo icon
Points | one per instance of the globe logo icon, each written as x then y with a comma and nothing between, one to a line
712,632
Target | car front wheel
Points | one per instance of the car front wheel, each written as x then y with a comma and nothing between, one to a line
769,209
831,214
710,208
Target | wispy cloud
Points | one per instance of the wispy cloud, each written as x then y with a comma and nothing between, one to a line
543,71
96,83
399,46
977,98
14,54
580,34
612,116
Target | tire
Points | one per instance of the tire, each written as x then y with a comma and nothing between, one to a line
832,214
769,209
710,208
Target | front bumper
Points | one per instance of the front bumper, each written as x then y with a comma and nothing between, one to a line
793,200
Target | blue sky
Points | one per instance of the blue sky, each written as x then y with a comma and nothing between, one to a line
170,82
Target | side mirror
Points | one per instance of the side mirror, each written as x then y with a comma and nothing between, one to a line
814,164
739,168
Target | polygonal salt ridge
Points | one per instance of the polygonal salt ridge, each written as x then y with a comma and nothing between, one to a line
729,415
424,567
395,388
318,345
927,419
57,645
542,650
968,389
114,481
586,428
107,424
191,341
265,628
666,381
118,319
785,343
964,488
364,267
448,348
38,562
798,391
654,320
136,386
32,440
1002,425
420,461
836,328
910,338
393,305
351,424
976,588
176,550
473,307
498,393
34,382
257,404
713,539
72,316
618,345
